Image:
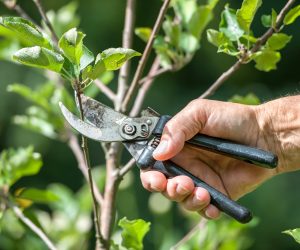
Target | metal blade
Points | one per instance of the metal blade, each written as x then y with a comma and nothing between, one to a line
104,134
135,148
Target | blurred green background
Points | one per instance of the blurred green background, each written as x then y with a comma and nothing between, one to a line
276,203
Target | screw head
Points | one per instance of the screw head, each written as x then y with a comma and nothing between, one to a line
149,122
129,129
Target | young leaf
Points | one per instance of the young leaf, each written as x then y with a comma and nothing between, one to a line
14,164
27,31
133,233
249,99
278,41
114,58
185,9
269,20
292,15
188,43
295,233
266,59
37,195
217,38
143,33
71,44
200,19
39,57
86,58
247,12
229,24
274,18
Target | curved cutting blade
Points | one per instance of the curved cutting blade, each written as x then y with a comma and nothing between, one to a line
107,132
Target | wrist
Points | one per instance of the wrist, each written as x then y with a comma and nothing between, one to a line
279,131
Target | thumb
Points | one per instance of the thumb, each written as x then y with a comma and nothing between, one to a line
179,129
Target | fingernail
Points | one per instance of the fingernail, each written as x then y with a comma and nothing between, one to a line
181,190
198,197
208,215
162,147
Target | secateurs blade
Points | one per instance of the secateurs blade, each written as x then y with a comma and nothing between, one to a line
141,135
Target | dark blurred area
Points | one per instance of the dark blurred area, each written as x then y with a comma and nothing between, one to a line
276,203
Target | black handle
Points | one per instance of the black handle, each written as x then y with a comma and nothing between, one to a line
232,149
218,199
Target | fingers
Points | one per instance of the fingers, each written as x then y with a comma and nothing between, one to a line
181,189
180,128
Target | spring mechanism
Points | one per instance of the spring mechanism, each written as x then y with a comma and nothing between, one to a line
155,142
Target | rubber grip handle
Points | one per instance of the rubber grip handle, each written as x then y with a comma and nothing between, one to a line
232,149
218,199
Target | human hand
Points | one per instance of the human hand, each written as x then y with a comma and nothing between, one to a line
271,126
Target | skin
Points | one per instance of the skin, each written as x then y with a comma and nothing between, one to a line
273,126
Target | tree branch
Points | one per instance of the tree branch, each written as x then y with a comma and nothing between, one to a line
127,43
190,234
105,90
146,54
45,19
18,212
138,102
260,42
127,167
75,147
99,238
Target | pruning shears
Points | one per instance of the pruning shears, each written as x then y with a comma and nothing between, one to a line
141,135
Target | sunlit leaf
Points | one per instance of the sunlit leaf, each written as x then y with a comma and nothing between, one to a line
133,233
71,44
86,58
188,43
217,38
247,12
38,195
27,31
172,31
278,41
200,19
229,24
292,15
143,33
15,164
39,57
266,59
269,20
295,233
249,99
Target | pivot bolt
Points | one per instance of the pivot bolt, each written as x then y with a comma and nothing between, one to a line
129,129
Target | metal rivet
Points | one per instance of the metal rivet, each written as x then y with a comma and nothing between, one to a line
149,122
129,129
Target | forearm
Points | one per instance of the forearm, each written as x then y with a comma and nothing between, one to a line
279,123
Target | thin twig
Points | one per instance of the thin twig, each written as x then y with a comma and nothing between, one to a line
126,43
146,54
260,42
75,147
190,234
105,90
46,19
100,241
127,167
158,72
138,102
18,212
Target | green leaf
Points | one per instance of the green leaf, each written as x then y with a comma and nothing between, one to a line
188,43
39,57
200,19
295,233
266,21
86,58
133,233
278,41
114,58
229,24
71,44
185,9
172,31
228,49
266,60
15,164
143,33
249,99
38,195
217,38
27,31
247,12
269,20
292,15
